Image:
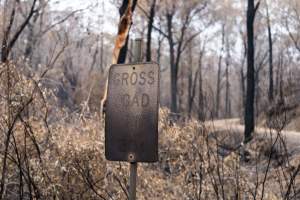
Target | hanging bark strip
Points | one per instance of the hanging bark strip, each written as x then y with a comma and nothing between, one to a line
123,31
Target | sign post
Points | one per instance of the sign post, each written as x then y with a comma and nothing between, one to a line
133,177
131,120
137,56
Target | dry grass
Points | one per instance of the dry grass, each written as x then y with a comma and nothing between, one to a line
62,157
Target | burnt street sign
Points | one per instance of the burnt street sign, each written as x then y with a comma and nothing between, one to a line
131,121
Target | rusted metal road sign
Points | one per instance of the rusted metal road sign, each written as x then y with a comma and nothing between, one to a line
131,121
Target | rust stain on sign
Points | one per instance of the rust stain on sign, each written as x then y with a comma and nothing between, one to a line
131,121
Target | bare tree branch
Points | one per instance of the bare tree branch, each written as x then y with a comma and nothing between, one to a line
21,28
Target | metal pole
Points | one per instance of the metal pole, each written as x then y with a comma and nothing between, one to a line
137,50
137,57
133,176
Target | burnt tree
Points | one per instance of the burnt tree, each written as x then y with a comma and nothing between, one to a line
227,84
149,32
270,40
178,42
250,93
121,42
201,113
122,12
218,89
7,43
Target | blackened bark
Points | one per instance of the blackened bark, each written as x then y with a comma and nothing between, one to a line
158,51
160,39
181,90
149,33
4,46
243,89
278,79
180,46
227,94
227,89
257,92
192,82
271,84
121,42
218,90
123,51
172,64
249,107
201,114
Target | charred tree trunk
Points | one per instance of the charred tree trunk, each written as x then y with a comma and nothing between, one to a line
5,40
181,90
227,89
122,10
160,39
218,90
217,109
181,43
201,115
190,81
121,42
227,93
158,51
280,79
172,64
271,84
249,107
149,33
7,44
278,89
243,90
257,93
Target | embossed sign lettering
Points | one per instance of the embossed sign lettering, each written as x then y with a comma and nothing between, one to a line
132,113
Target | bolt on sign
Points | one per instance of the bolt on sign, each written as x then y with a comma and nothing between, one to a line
131,121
